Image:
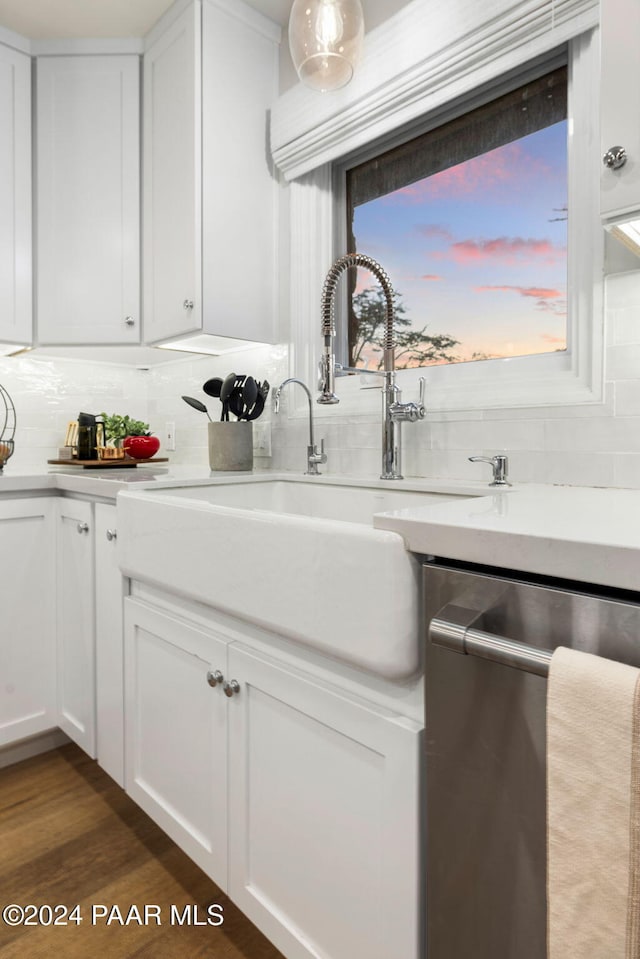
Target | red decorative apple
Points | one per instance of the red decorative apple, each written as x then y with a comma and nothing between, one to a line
141,447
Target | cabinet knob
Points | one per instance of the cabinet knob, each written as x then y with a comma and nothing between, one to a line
233,686
213,678
83,527
188,304
112,534
615,157
129,321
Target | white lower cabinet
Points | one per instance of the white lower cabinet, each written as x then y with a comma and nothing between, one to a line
111,587
27,617
300,800
75,573
176,741
90,590
61,631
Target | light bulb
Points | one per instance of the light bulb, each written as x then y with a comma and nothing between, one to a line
325,39
328,26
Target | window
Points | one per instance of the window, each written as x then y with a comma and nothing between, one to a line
470,221
370,126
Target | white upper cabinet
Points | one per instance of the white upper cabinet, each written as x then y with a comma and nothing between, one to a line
171,178
88,210
210,199
15,199
620,119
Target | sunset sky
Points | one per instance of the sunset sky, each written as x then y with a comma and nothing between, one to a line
479,250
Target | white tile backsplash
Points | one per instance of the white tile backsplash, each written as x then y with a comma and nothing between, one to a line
597,445
48,393
588,444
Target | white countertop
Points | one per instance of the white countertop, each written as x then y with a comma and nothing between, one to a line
105,483
581,533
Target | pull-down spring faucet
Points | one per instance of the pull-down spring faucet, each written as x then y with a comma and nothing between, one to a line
393,411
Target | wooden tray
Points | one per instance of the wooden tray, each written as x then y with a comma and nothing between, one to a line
127,461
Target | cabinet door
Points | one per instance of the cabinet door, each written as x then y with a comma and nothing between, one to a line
323,816
76,623
172,180
110,591
620,103
176,733
15,197
88,178
27,618
239,190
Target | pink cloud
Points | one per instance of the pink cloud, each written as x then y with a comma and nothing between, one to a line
549,300
430,276
559,340
539,292
503,248
509,163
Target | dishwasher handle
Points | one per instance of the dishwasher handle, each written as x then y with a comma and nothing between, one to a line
452,629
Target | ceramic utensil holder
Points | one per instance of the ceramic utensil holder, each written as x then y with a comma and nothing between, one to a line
231,446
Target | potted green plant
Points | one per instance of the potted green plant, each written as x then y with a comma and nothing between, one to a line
114,433
131,435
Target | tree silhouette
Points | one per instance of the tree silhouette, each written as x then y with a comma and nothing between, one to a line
413,347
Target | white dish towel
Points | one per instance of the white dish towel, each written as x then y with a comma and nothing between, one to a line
593,808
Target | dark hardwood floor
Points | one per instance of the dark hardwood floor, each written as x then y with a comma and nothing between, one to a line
70,836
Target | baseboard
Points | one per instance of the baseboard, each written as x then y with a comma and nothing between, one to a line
32,747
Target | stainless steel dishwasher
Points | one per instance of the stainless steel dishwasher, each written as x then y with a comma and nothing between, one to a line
485,746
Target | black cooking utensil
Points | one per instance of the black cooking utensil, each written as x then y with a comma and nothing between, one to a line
258,407
212,387
225,392
249,396
197,405
235,403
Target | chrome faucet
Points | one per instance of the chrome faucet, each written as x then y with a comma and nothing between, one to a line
314,455
394,412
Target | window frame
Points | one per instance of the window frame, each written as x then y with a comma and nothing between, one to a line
571,376
318,236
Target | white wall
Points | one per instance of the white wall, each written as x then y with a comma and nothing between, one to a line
47,393
579,445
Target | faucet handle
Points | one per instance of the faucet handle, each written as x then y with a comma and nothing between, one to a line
423,386
314,457
500,466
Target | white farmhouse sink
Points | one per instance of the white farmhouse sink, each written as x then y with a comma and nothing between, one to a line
298,557
348,504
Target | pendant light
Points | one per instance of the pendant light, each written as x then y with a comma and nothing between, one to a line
325,39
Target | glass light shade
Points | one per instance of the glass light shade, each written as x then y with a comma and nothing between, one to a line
325,39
